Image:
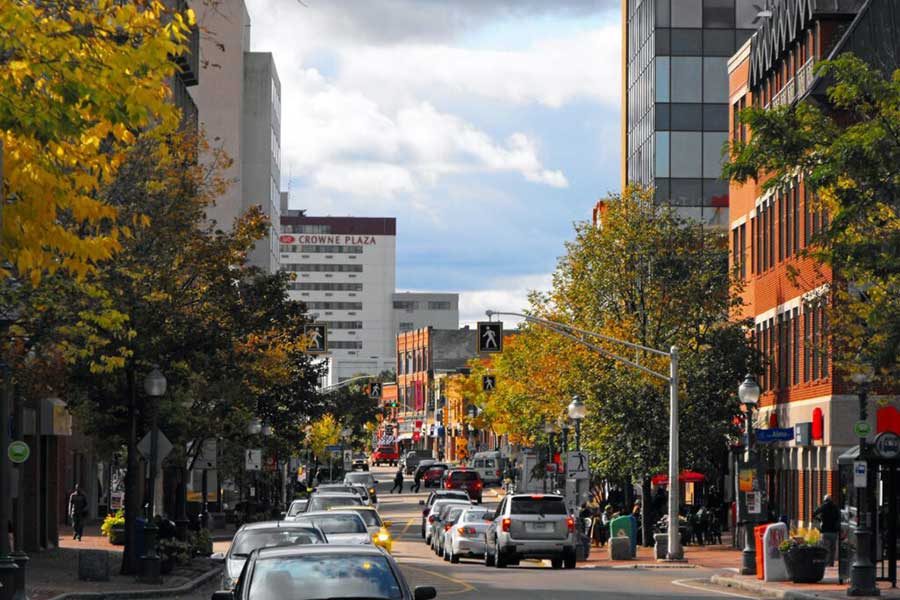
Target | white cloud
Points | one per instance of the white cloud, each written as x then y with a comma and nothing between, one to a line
509,294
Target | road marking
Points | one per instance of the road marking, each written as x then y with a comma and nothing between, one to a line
408,525
682,583
467,587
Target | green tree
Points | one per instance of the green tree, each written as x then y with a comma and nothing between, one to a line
847,150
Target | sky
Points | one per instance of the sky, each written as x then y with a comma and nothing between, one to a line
486,127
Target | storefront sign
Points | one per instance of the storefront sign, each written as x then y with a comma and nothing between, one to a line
754,503
887,444
18,452
779,434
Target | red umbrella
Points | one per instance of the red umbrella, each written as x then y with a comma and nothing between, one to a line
686,476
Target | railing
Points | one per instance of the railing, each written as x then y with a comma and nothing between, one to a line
796,86
805,76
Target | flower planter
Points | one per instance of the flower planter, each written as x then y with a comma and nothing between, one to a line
117,536
806,564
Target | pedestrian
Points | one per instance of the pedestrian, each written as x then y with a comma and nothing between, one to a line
830,516
77,511
398,482
417,480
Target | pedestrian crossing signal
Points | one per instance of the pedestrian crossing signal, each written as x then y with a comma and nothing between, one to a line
488,382
490,337
317,338
375,391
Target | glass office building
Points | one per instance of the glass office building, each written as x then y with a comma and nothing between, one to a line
676,97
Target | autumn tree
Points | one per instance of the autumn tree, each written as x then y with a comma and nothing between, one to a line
78,80
847,149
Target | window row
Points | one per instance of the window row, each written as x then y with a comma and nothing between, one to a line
691,117
321,249
691,79
316,286
785,223
692,192
692,154
342,324
285,228
412,361
793,346
721,14
344,345
334,305
317,268
699,42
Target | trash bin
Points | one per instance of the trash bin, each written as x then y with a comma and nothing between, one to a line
141,522
624,527
758,532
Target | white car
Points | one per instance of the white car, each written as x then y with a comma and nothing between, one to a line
435,509
340,527
465,539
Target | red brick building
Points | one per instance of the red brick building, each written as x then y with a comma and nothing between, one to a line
768,230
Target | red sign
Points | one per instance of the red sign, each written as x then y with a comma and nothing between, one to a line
286,239
416,436
418,425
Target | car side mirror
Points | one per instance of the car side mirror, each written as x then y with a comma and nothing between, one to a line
421,503
229,595
388,523
422,592
283,515
217,556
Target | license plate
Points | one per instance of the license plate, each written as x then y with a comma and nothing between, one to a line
538,526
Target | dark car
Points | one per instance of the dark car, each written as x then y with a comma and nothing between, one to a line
464,479
424,465
434,475
295,573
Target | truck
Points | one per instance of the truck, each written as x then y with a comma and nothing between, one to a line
386,454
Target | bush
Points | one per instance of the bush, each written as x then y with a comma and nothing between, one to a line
112,520
175,549
201,543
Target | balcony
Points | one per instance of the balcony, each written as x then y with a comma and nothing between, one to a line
797,86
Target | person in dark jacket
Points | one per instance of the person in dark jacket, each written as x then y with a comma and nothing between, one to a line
77,511
398,482
417,480
830,516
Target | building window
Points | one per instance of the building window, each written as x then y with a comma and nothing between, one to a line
771,232
407,305
795,345
344,345
771,330
334,305
319,268
815,342
343,324
406,326
321,249
807,344
823,337
440,305
322,286
795,215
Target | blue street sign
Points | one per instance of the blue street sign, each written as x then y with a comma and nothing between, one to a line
764,436
337,448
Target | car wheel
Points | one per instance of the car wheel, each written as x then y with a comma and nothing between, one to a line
569,559
446,555
499,559
556,563
488,558
454,558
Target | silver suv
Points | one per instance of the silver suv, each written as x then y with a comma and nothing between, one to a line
531,526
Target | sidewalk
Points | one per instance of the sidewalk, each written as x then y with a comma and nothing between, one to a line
711,557
93,540
828,588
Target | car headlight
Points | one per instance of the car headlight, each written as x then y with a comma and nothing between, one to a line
384,537
372,491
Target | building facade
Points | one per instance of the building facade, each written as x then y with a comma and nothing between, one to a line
345,273
675,98
415,310
768,232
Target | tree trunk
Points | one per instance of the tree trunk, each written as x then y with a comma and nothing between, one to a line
628,492
647,515
132,500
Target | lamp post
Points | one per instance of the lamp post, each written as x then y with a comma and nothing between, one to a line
549,429
564,428
862,571
9,570
748,393
155,388
577,412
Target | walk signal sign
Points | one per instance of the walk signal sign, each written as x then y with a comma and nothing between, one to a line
375,391
490,337
317,338
488,382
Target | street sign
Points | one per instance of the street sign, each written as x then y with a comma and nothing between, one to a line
887,444
375,391
18,452
778,434
317,336
163,447
577,466
253,460
488,382
754,502
861,429
490,336
334,448
860,473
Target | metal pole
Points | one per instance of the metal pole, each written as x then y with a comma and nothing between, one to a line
8,567
564,458
150,561
748,554
675,551
862,571
18,554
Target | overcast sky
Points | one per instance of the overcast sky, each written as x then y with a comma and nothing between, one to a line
486,127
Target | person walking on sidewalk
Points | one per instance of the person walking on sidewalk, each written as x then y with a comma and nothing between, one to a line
77,511
830,516
398,482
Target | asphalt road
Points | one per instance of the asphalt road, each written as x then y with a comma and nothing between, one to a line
470,580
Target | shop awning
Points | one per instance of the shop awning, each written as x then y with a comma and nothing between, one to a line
686,476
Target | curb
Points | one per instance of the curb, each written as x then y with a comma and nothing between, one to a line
188,587
761,588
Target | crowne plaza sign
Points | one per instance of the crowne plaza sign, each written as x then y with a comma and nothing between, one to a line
350,240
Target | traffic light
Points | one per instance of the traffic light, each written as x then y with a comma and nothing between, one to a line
393,404
490,337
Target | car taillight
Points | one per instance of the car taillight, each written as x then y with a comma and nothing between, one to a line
477,485
571,523
466,530
504,524
448,526
448,485
431,518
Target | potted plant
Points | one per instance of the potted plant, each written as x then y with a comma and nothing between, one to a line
172,552
113,527
805,556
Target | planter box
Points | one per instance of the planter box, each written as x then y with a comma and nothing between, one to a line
806,565
117,536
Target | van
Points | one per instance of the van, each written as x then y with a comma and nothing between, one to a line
412,458
489,465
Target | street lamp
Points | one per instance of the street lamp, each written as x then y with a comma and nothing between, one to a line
254,426
549,429
577,412
564,428
155,387
748,393
862,571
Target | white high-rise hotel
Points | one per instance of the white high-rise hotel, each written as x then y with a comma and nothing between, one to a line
345,270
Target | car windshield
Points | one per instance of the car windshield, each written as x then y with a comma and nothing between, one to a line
476,516
327,502
454,495
464,476
248,541
297,508
538,506
370,517
324,576
358,478
332,524
453,515
442,504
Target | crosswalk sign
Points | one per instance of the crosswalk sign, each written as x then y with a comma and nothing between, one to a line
375,391
488,383
317,338
490,337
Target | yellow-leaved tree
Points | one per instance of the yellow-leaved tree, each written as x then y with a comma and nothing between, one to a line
325,431
78,81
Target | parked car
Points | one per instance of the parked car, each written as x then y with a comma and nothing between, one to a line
435,511
434,475
366,479
437,495
466,538
263,534
389,454
489,465
339,526
296,572
464,479
446,518
411,460
296,507
325,501
531,526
